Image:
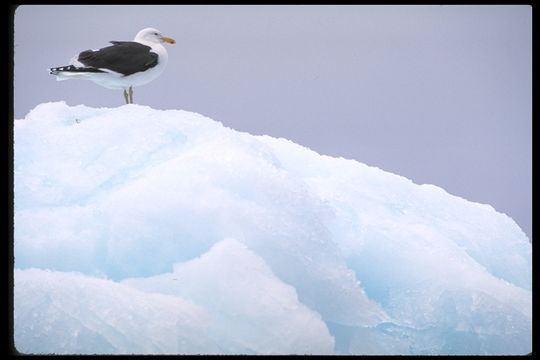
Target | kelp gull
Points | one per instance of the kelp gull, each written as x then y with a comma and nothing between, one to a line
122,65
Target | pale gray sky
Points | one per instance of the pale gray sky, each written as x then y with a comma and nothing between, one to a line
439,94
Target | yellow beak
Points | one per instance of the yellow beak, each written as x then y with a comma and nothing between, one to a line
168,40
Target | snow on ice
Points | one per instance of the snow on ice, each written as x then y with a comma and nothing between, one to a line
147,231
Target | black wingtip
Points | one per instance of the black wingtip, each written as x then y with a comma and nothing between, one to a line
71,68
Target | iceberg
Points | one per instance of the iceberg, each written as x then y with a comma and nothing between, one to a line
143,231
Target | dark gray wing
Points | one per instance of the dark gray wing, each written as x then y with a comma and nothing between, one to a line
124,57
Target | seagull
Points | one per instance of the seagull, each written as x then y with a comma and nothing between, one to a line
122,65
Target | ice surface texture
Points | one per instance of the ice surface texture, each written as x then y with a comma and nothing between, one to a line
148,231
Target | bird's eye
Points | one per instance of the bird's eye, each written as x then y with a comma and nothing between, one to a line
156,34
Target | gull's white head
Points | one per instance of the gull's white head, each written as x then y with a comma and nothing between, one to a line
151,35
